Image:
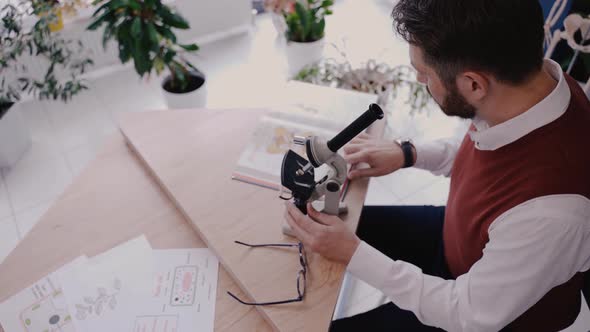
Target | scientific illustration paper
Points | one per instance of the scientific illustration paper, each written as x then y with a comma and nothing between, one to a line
40,307
108,292
129,288
184,292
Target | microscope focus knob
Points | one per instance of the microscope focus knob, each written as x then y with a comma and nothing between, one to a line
299,140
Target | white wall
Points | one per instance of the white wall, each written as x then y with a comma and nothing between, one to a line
209,20
208,17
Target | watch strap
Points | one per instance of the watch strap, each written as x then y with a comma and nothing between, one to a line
407,148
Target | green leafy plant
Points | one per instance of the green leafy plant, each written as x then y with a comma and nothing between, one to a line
306,21
18,41
144,32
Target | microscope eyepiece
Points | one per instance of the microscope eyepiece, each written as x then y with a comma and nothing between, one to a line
371,115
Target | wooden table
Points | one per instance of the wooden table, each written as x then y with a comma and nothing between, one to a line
118,198
113,200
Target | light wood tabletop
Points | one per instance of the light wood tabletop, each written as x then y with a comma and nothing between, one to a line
114,200
172,177
192,154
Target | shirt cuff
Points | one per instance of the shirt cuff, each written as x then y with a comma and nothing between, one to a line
427,155
370,265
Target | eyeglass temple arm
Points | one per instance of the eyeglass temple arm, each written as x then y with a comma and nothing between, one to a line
266,245
299,299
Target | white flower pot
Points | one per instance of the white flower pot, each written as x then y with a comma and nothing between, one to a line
184,100
300,55
15,138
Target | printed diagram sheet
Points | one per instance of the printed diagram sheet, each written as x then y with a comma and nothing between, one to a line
184,292
108,292
39,308
129,288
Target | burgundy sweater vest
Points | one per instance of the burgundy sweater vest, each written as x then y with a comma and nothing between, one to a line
553,159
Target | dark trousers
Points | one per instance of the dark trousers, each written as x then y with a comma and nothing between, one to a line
409,233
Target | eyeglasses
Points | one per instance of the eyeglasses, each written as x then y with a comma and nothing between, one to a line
301,275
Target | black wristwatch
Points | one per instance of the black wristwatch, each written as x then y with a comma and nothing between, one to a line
407,148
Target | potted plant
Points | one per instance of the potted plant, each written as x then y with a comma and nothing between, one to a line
18,43
144,33
371,77
305,32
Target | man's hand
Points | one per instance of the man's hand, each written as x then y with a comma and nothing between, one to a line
383,157
327,235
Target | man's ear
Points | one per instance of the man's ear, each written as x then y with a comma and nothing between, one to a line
473,86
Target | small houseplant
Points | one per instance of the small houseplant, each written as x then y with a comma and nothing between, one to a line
18,43
144,32
306,24
372,76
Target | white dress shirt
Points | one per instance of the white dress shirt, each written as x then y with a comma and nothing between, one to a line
552,234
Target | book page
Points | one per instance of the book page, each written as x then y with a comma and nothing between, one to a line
307,110
272,138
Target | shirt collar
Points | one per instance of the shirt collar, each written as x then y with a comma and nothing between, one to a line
546,111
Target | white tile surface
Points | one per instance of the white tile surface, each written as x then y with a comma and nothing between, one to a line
45,144
31,183
29,218
84,120
5,207
8,237
435,194
379,192
124,91
405,182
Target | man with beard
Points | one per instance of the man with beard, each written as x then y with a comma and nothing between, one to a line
508,250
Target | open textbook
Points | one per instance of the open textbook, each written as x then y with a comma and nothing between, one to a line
308,110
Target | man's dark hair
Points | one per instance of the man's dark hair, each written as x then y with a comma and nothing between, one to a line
501,37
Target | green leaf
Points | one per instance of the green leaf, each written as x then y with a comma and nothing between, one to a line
136,27
169,56
190,47
139,58
318,30
294,31
124,52
173,19
166,33
103,7
108,34
116,4
153,36
134,4
327,3
304,19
